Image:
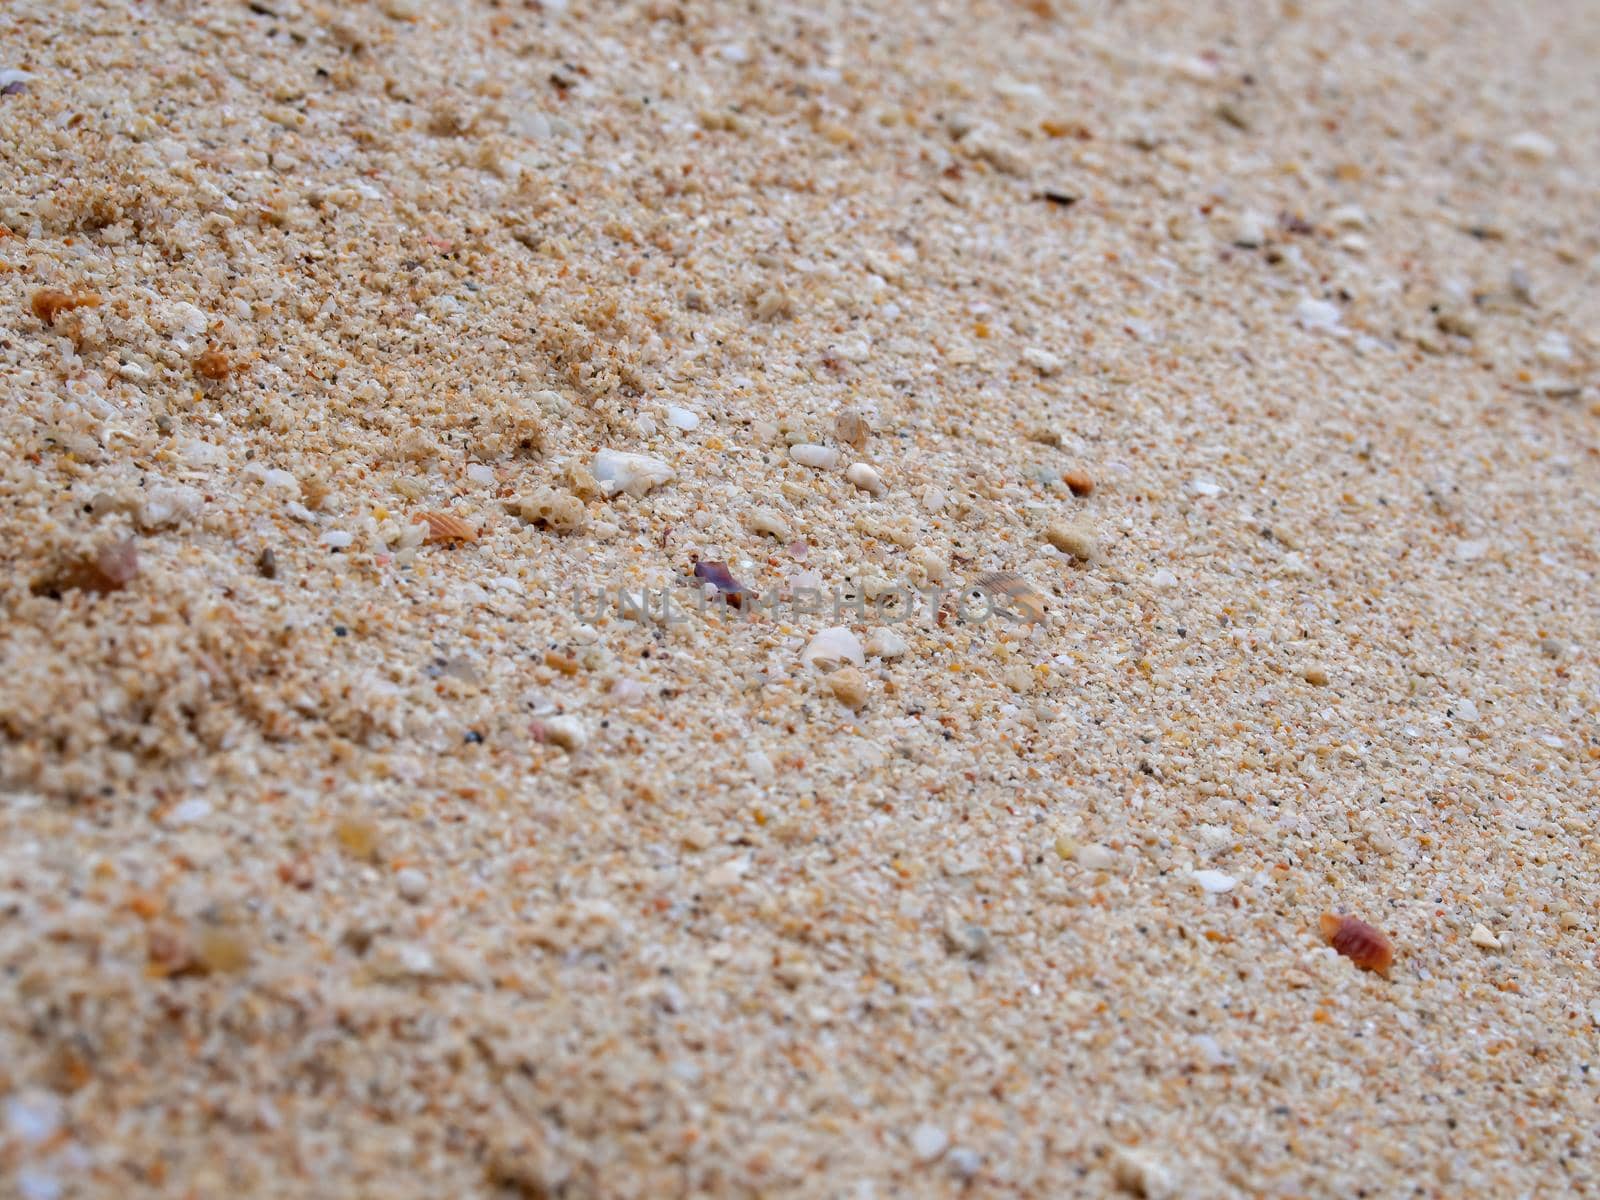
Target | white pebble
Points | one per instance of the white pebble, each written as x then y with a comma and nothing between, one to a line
619,471
1249,230
1554,348
1317,314
1092,856
33,1117
189,812
339,539
1205,487
164,507
810,455
760,766
885,643
928,1142
1532,146
1482,937
480,473
1139,1172
1164,579
1041,361
964,1161
682,418
1215,882
833,647
566,732
1347,216
1465,709
865,478
279,480
413,884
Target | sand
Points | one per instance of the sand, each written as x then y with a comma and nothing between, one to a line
370,827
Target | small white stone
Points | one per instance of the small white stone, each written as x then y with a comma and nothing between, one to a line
165,507
1317,314
1164,579
189,812
1532,146
1041,360
760,766
682,418
1215,882
1482,937
1471,551
865,478
566,732
1554,348
1465,709
339,539
279,480
1138,1172
480,473
807,454
33,1116
1347,216
833,647
928,1142
964,1161
1205,487
1092,856
768,522
1249,230
412,884
885,643
619,471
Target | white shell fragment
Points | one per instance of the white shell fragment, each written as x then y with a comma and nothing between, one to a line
809,455
833,647
619,471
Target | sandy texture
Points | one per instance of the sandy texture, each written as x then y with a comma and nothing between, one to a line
1249,360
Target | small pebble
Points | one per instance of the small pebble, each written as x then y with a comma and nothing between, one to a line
833,647
682,418
807,454
1072,540
849,687
1317,315
928,1142
1315,675
768,523
1482,937
1080,484
885,643
1215,882
635,474
1138,1172
1249,230
1164,579
1531,146
566,732
851,428
1041,361
412,884
865,478
965,1162
1092,856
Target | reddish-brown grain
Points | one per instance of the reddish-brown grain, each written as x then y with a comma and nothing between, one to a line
1362,944
48,303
